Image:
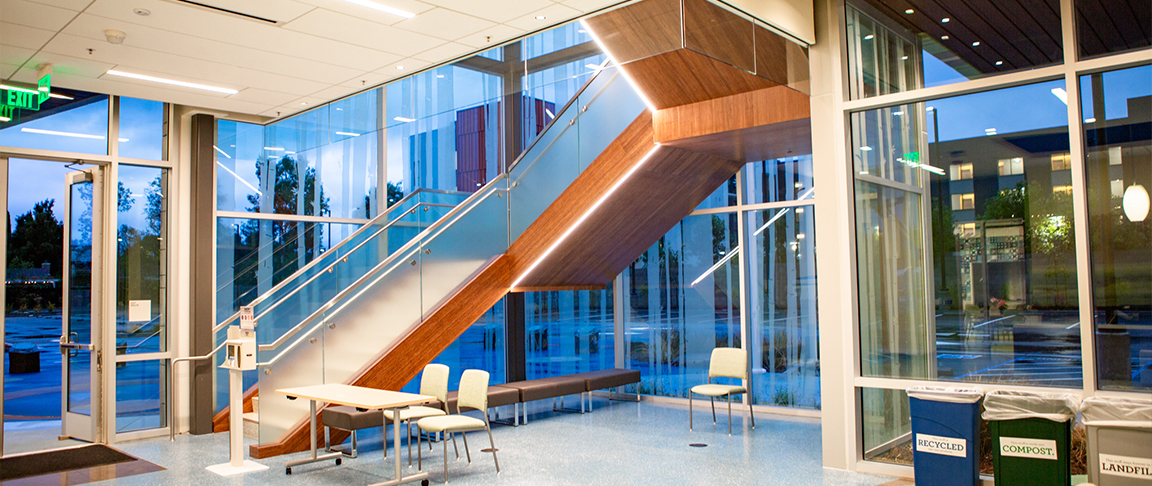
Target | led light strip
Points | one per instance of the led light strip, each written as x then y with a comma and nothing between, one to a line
154,79
383,8
717,265
588,213
66,134
622,71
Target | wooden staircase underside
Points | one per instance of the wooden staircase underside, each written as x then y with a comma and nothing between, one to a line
713,118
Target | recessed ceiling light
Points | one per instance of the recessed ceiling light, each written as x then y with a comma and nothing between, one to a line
303,103
581,31
349,134
440,76
904,58
909,11
865,148
945,20
999,63
143,12
975,44
869,37
173,82
382,8
1089,120
897,113
541,17
399,68
944,37
404,119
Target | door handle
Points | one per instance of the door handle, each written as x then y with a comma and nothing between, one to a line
67,344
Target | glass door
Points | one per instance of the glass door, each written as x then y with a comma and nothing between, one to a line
80,341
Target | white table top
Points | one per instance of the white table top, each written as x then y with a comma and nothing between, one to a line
356,396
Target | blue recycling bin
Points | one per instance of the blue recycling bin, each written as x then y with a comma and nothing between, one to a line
946,435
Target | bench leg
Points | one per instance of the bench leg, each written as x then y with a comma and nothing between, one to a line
689,411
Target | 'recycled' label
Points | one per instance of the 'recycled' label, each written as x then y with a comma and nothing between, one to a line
1129,467
1030,448
945,446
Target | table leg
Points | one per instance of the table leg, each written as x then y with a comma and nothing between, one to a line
312,441
399,479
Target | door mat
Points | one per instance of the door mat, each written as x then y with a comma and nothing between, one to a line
77,465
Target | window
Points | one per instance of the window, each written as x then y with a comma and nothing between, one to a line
1013,166
141,129
76,125
1061,162
964,201
1063,189
959,172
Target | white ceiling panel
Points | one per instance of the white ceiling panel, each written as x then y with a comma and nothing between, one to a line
490,37
365,80
591,5
373,15
72,66
553,14
352,30
21,36
499,11
36,15
92,27
278,10
75,5
335,92
445,24
155,92
263,96
443,52
14,55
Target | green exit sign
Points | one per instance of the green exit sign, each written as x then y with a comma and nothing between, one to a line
26,98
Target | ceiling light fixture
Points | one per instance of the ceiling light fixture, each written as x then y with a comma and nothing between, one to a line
869,37
399,68
62,134
909,11
404,119
904,58
60,96
274,149
945,20
5,119
173,82
865,149
383,8
1136,203
303,103
1089,120
541,17
225,154
348,134
1061,94
999,63
897,113
976,44
944,37
440,76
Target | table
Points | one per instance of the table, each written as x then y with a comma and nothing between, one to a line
361,398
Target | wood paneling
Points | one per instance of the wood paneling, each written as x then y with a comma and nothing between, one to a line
639,30
720,34
681,77
736,112
397,366
766,142
560,288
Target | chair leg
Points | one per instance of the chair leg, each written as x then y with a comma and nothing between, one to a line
420,449
713,401
386,442
751,415
446,459
409,422
353,444
493,445
729,415
466,453
454,446
327,440
689,411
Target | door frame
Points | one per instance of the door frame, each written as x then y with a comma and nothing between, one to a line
87,428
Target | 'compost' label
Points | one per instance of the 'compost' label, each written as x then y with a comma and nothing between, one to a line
945,446
1030,448
1129,467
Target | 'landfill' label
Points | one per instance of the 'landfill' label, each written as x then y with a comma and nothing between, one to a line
1129,467
945,446
1030,448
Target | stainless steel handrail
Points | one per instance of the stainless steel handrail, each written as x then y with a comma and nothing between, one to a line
563,109
172,386
462,209
315,262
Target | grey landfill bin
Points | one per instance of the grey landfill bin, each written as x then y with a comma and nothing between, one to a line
1119,441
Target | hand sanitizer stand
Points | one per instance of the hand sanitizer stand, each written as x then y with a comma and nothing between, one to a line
241,356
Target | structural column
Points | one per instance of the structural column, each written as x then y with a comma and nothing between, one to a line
203,245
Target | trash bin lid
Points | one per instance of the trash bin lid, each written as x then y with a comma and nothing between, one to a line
23,348
946,394
1016,405
1117,412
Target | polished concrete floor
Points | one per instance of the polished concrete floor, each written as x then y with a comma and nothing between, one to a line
620,443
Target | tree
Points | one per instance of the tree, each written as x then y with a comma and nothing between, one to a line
37,238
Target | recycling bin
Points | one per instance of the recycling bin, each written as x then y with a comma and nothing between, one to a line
23,358
1031,437
1119,441
945,435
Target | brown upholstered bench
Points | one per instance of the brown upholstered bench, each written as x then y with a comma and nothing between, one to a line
552,387
349,420
610,378
498,396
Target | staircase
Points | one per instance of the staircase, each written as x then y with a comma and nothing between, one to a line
617,168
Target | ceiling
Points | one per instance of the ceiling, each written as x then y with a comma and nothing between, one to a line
314,51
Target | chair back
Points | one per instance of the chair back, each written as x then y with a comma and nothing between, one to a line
473,391
434,381
728,363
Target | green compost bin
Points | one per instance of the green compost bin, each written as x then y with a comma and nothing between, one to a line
1031,437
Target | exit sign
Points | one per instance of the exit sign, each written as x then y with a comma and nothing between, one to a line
13,97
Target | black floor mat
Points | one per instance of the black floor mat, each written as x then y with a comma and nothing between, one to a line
59,461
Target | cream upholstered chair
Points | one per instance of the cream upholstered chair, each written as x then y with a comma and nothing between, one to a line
725,363
473,395
433,382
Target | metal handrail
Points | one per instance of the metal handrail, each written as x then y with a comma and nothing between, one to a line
172,387
466,205
315,262
392,259
563,109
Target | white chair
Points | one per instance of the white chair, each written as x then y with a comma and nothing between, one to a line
473,395
433,382
725,363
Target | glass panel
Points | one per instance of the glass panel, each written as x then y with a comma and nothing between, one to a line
142,261
141,392
239,156
141,129
786,179
679,308
1105,27
892,48
886,143
887,422
77,125
782,290
455,253
79,386
1118,118
1005,305
724,196
568,332
481,347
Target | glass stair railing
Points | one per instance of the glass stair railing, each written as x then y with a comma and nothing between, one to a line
366,318
300,294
